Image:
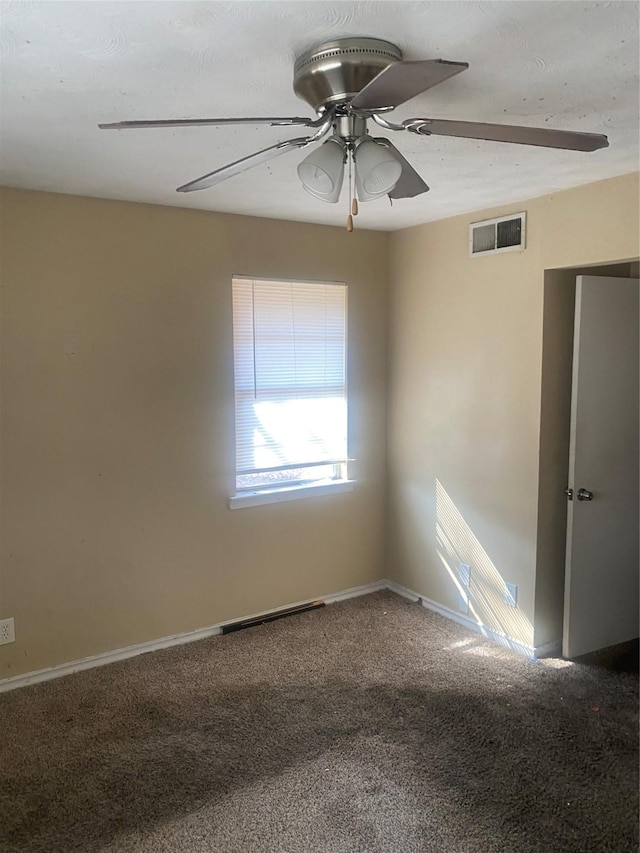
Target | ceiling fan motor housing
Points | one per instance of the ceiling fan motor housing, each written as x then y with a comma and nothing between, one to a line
336,71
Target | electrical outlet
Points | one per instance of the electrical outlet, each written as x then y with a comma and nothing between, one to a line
511,594
464,573
7,631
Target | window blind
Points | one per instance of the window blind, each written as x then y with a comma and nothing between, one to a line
290,374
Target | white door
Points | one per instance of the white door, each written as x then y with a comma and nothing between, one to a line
601,579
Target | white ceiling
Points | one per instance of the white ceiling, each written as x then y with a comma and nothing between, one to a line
68,65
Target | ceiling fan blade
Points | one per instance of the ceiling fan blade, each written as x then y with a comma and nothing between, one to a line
542,136
231,169
410,183
402,81
199,122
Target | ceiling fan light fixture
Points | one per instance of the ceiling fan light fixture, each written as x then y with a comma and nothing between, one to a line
377,170
322,171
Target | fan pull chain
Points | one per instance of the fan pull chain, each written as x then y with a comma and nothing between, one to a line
352,193
350,196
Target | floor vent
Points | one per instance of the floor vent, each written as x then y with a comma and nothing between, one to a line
271,617
492,236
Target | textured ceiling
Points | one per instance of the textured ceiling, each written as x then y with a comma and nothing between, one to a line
68,65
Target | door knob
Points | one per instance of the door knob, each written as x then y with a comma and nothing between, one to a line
585,495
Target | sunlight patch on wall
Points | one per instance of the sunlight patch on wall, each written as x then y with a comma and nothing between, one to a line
485,596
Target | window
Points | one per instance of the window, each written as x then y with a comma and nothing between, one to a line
290,387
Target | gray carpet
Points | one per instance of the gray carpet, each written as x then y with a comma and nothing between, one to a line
369,725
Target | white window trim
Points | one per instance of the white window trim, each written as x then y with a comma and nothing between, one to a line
281,494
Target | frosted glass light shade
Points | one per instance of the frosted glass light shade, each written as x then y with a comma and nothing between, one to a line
377,170
322,172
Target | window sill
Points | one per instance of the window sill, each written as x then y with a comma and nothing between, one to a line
289,493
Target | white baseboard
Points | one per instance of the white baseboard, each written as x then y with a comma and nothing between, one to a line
403,591
104,658
547,650
355,591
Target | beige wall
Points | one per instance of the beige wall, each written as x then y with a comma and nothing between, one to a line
465,374
117,416
118,425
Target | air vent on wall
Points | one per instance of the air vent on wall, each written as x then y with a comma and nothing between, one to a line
504,234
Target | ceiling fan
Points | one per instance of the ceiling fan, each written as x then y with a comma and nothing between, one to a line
349,82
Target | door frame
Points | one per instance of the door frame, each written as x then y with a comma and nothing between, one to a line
555,419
